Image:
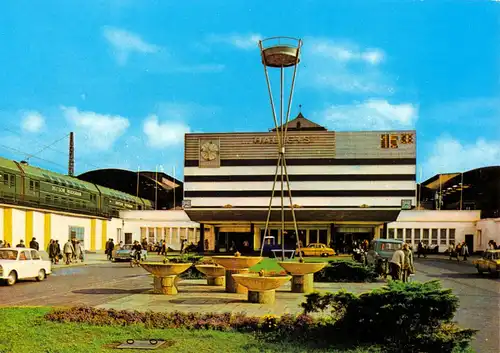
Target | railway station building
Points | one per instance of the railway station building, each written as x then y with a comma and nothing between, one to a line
345,185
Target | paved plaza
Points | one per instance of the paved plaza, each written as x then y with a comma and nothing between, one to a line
115,285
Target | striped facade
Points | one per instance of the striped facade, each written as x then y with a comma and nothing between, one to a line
327,170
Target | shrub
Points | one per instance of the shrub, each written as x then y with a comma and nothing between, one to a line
192,273
196,321
405,317
345,271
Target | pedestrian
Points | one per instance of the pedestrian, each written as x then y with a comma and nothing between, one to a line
109,249
50,250
159,247
34,244
421,250
69,250
396,264
78,251
164,249
408,267
183,244
21,244
458,251
465,251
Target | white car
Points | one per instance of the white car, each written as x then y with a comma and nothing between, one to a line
21,263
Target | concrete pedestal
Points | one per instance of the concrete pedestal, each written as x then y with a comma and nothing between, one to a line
216,281
262,297
166,285
303,283
231,285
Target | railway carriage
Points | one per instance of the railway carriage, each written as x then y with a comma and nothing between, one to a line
30,186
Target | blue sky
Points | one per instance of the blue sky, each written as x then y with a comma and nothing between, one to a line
131,77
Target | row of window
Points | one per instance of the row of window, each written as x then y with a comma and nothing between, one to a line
9,180
60,200
433,236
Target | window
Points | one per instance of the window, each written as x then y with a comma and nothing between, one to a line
77,233
443,237
400,234
6,179
425,236
32,185
451,233
35,255
417,236
25,255
391,233
434,236
408,235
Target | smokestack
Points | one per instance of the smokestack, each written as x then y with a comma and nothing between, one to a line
71,164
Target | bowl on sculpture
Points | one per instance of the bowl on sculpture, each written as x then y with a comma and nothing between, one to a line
257,283
159,269
237,262
211,270
302,268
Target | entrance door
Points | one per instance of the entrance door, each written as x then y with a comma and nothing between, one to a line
128,238
469,240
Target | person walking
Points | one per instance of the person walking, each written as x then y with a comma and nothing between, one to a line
408,267
78,251
421,250
50,250
396,264
69,250
110,248
465,251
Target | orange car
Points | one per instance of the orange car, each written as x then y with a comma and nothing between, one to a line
317,249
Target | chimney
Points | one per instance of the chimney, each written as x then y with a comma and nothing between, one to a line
71,164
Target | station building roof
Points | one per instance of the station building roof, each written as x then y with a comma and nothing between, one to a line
144,184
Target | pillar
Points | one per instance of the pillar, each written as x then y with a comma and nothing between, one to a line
231,285
308,233
202,235
262,297
385,231
257,241
165,285
303,283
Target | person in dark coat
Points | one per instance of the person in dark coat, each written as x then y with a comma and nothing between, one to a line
34,244
21,244
109,249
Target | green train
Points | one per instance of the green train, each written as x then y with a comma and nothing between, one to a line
26,185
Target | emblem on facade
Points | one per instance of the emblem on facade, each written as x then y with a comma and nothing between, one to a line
209,151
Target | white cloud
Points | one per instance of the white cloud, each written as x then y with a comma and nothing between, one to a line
343,67
32,121
449,155
164,134
124,43
241,41
346,53
99,130
373,114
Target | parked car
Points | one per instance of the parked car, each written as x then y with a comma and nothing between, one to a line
317,249
380,253
16,264
125,253
489,262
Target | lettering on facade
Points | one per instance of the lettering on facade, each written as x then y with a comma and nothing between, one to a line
121,204
394,140
268,140
66,191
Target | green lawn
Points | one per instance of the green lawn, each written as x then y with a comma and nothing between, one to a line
23,330
271,264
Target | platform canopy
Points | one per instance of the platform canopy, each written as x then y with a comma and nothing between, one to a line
148,181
